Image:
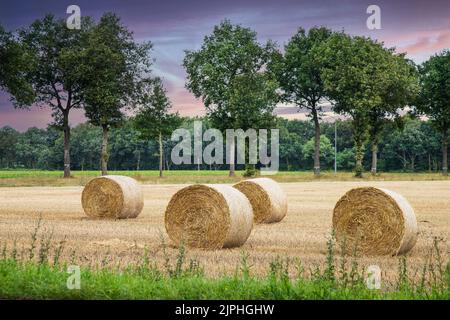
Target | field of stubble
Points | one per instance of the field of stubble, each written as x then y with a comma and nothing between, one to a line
301,235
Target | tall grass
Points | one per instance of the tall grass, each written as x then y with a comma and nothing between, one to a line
39,273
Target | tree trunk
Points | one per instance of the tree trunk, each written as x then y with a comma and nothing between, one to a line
404,160
232,159
160,156
359,159
445,152
316,142
429,163
66,129
104,155
138,164
358,136
374,158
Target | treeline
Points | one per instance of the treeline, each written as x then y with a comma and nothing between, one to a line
413,146
103,70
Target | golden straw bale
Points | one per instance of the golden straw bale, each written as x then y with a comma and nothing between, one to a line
209,217
268,200
375,221
112,196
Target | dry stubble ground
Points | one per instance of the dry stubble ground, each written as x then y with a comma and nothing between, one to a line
302,234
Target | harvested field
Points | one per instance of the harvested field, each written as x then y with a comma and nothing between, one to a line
302,234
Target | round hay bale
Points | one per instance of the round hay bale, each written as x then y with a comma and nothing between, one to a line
209,217
375,221
268,200
116,197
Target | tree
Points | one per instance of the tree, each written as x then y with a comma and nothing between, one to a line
290,144
298,73
127,150
408,144
32,148
354,71
52,71
8,142
230,74
85,146
432,144
13,61
153,120
400,86
434,97
326,149
115,64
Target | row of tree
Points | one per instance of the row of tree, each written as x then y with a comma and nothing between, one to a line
102,69
99,67
241,81
415,146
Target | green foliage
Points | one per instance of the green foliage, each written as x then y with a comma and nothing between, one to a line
43,149
46,278
434,99
366,81
298,72
153,118
229,74
250,171
434,96
114,62
14,60
346,159
53,50
85,146
96,67
8,140
408,144
326,149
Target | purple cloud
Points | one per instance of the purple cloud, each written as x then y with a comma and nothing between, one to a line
417,27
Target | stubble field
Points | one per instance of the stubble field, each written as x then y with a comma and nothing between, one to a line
301,236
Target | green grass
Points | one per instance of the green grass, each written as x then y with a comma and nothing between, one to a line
31,281
37,273
11,178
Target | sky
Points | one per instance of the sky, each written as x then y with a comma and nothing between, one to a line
419,28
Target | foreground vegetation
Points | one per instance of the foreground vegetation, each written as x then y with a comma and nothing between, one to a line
38,273
45,282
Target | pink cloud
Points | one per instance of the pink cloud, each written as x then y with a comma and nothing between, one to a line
419,44
185,103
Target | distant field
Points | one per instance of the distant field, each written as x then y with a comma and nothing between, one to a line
23,178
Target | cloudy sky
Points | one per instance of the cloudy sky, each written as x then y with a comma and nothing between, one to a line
420,28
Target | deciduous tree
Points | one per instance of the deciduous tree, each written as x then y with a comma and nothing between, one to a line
434,99
153,120
49,69
115,64
355,71
298,73
230,74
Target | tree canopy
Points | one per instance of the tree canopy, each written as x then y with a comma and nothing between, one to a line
230,74
153,120
298,72
364,79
